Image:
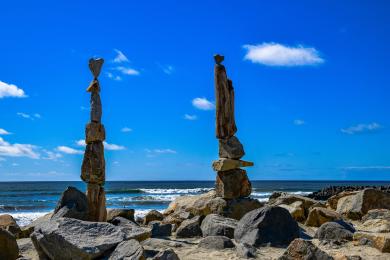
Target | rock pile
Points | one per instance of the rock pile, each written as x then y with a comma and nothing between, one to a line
232,182
330,191
93,167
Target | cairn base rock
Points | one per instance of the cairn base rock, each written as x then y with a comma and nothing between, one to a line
233,184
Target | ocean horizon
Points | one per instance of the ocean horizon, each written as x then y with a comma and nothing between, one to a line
28,200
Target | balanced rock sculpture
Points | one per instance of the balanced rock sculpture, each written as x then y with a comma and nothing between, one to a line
232,182
93,167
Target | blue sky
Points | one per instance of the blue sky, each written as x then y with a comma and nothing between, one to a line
311,81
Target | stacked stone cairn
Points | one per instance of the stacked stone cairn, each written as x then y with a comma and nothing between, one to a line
93,167
232,182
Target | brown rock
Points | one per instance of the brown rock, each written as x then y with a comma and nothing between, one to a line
96,203
8,247
94,132
124,213
8,223
95,66
93,167
218,58
225,164
96,107
231,148
332,201
380,241
277,199
319,216
300,249
224,96
152,216
296,210
233,184
357,205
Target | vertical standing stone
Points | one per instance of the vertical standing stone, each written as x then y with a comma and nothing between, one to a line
231,182
93,167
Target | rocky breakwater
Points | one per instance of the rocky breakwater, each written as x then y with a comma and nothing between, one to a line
232,182
93,166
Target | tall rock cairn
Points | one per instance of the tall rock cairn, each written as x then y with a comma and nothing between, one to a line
93,168
232,182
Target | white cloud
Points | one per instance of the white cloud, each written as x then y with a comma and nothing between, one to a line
4,132
28,116
68,150
120,57
202,104
275,54
155,152
190,117
113,77
126,130
167,69
10,90
361,128
113,147
18,150
362,168
299,122
51,155
127,70
81,142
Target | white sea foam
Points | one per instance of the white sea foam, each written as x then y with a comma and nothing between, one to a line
142,212
25,218
176,191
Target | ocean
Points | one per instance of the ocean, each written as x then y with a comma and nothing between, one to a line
26,201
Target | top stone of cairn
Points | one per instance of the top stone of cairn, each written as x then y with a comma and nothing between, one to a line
95,65
218,58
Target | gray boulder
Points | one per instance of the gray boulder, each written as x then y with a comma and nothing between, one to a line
231,148
216,242
189,228
67,238
216,225
128,250
72,204
267,225
131,229
8,247
158,243
160,230
245,250
337,230
300,249
167,254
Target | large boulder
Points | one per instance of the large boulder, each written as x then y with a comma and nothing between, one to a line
318,216
300,249
167,254
380,241
233,184
282,198
124,213
160,229
267,225
152,216
8,247
357,205
26,248
296,210
72,204
216,225
245,251
67,238
131,229
376,220
189,228
129,250
216,242
7,222
185,207
332,201
338,231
